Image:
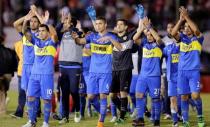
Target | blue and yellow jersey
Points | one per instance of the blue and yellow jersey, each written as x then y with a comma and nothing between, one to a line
28,50
151,59
86,57
101,58
44,56
171,52
190,49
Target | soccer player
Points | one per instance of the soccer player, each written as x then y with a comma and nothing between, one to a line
149,78
171,52
122,66
189,65
100,76
41,80
28,56
69,66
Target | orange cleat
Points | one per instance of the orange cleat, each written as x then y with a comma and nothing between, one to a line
100,124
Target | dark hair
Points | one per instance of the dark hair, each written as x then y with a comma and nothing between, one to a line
123,20
45,26
27,29
101,18
36,18
73,21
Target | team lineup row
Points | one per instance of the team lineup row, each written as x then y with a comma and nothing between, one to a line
107,65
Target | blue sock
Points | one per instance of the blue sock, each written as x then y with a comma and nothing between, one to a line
174,115
140,107
185,110
133,99
113,109
179,105
157,108
37,106
82,105
153,112
103,107
198,104
47,109
192,102
96,104
31,111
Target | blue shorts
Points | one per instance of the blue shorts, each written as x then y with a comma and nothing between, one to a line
41,85
133,84
188,82
99,83
151,84
26,72
172,88
83,84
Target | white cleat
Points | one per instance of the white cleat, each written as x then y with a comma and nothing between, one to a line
29,124
113,119
45,124
77,117
134,114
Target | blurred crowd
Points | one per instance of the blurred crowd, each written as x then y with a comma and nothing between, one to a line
160,11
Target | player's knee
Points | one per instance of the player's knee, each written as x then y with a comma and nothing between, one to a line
185,97
102,96
139,95
195,96
91,96
31,98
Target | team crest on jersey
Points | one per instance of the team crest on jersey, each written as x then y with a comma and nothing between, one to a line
175,58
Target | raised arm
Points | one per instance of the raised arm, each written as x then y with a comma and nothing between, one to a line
24,27
192,25
78,40
53,33
92,14
18,24
147,24
175,30
42,18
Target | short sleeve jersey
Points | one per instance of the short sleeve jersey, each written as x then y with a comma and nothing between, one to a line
171,52
151,59
101,53
28,50
44,56
190,49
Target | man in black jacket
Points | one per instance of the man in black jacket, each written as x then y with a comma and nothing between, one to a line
8,65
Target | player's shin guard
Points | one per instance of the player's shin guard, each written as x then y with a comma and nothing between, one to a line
95,103
133,99
140,107
174,115
157,108
31,110
124,104
47,109
185,110
117,102
82,105
198,104
103,107
113,109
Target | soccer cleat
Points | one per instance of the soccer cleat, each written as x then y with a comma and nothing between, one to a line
119,121
63,121
77,117
138,122
186,124
201,122
157,123
100,124
175,124
45,124
167,117
15,116
29,124
113,119
133,115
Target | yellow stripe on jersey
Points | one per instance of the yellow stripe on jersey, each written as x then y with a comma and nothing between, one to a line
195,45
86,54
101,49
175,58
26,42
46,51
156,52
